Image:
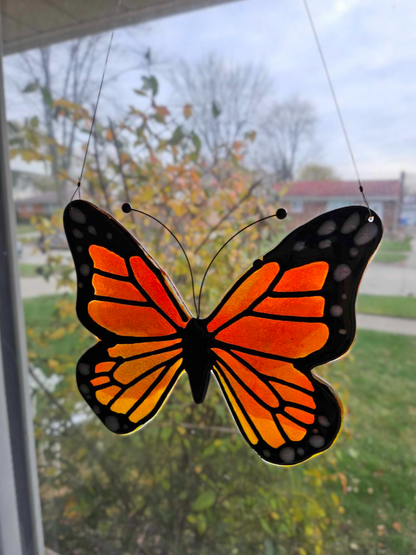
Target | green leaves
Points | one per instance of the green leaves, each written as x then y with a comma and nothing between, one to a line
177,136
31,87
204,501
150,84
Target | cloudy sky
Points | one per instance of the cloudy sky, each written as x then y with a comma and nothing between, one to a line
370,46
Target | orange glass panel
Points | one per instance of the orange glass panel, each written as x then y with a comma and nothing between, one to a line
301,415
310,277
104,367
257,386
260,417
301,306
286,339
151,400
277,369
100,380
131,370
293,431
133,349
130,397
108,287
254,286
108,261
104,396
251,436
294,395
134,321
151,284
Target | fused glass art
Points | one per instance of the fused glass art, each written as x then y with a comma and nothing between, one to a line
292,310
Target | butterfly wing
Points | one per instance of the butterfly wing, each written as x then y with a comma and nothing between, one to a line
127,301
292,311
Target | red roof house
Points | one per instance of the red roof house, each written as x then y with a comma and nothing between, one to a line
306,199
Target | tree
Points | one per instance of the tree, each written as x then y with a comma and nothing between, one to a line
317,172
226,100
287,132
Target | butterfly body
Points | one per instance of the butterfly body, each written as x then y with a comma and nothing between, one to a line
291,311
197,357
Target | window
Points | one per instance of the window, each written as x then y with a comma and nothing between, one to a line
194,126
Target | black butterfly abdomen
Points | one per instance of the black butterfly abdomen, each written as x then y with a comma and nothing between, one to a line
196,357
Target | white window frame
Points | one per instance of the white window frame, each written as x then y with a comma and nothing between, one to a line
21,531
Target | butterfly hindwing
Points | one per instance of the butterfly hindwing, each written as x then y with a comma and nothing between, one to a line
130,304
292,311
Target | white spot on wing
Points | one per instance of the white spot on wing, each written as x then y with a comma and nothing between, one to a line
84,269
336,310
92,230
77,233
327,227
287,454
299,246
341,272
325,244
77,216
351,223
316,441
365,234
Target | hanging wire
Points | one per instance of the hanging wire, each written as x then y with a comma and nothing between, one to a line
127,208
95,111
226,243
334,96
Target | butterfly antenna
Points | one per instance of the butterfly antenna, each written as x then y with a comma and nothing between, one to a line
127,208
280,214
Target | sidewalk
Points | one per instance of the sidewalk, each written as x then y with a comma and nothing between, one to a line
387,324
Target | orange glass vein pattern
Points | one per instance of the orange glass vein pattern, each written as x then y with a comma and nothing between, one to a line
248,430
286,339
151,400
133,394
293,395
128,320
128,350
104,367
100,380
108,261
254,286
108,287
151,284
104,396
255,385
310,277
294,431
132,369
277,369
300,306
301,415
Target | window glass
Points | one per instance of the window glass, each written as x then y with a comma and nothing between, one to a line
196,126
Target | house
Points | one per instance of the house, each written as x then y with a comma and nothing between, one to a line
305,200
408,212
40,204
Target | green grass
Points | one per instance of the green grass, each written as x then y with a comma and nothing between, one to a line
396,246
385,257
25,228
29,270
377,451
401,307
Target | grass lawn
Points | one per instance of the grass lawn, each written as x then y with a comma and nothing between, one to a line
401,307
385,257
373,463
396,246
28,270
379,457
25,228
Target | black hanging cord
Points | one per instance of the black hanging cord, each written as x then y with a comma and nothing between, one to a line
280,214
127,208
334,96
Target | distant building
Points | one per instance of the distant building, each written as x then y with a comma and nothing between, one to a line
408,212
40,204
307,199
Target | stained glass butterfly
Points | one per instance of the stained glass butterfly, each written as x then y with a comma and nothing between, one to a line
293,310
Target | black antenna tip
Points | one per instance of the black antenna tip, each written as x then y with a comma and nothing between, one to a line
126,207
281,213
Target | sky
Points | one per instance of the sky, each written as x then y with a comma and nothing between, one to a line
369,45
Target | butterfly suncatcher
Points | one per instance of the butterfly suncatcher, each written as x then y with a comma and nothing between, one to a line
293,310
